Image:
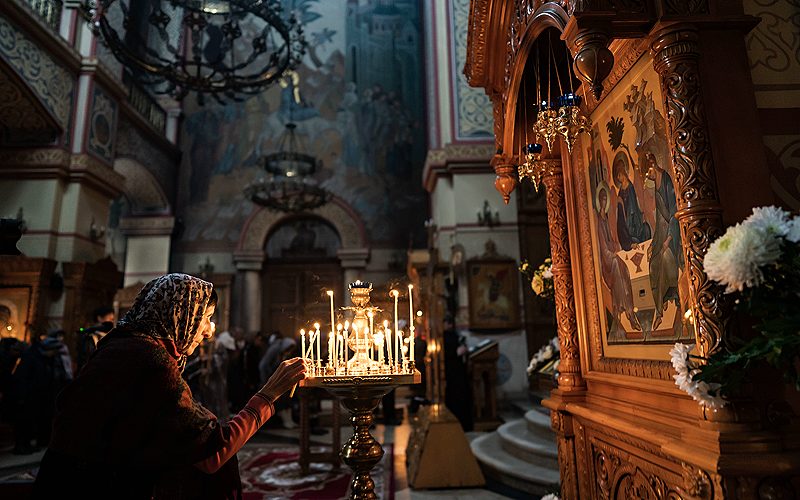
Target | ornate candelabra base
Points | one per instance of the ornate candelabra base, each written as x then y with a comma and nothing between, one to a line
361,395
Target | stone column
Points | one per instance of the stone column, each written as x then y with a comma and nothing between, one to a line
249,264
147,248
354,262
676,59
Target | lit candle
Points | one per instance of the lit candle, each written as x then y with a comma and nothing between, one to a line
330,348
333,325
385,338
316,335
303,343
398,352
396,295
411,324
371,324
340,349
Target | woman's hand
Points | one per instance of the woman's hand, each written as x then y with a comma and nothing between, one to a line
285,377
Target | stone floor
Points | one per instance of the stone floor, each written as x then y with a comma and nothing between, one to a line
11,464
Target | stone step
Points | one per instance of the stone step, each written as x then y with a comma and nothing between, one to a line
519,441
509,470
539,423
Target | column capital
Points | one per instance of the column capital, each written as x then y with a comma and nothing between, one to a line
353,258
147,226
249,260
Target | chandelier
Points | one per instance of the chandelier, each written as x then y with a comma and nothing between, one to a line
532,168
562,117
288,185
223,48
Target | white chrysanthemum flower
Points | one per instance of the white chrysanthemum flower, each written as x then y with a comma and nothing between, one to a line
793,232
684,372
548,273
772,220
735,259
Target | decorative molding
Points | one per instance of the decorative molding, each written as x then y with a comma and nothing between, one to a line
626,53
622,475
263,221
685,7
475,62
161,160
51,82
676,59
51,157
102,125
570,368
23,118
146,226
472,107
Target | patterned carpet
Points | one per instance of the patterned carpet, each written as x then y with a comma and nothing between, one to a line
272,472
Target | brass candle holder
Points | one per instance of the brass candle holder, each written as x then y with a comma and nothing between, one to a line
359,385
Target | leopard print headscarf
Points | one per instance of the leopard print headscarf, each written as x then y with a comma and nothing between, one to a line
170,308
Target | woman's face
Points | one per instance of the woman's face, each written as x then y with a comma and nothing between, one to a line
204,331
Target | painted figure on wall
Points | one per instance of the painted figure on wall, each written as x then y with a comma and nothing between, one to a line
358,103
631,227
640,268
665,256
613,270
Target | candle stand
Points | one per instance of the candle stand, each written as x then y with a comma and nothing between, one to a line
380,362
361,395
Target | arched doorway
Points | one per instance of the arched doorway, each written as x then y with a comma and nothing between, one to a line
302,263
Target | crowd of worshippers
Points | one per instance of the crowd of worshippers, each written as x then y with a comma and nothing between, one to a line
223,373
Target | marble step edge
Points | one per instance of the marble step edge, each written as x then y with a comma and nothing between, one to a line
489,452
522,443
538,423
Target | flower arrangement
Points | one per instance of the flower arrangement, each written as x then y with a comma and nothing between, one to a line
541,278
758,263
543,356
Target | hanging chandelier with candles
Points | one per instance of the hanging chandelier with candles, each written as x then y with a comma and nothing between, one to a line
288,185
221,48
562,117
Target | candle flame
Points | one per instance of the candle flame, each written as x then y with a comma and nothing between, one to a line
410,287
302,332
330,293
316,326
369,314
386,323
394,293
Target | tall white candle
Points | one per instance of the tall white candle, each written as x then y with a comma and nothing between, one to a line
333,325
396,320
398,347
411,321
316,335
330,349
303,343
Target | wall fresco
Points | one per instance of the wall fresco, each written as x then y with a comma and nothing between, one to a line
357,100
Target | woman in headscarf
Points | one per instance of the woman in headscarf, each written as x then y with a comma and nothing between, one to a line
128,427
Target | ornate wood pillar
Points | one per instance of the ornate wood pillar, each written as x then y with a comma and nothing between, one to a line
570,380
676,59
570,377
